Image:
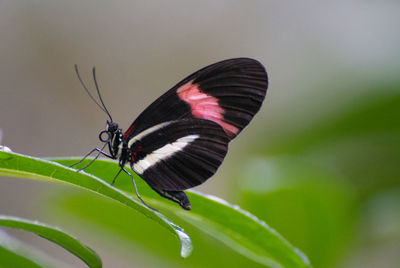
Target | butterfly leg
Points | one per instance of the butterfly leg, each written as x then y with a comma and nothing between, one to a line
176,196
136,190
100,151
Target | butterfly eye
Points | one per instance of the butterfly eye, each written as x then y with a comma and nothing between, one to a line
104,136
112,127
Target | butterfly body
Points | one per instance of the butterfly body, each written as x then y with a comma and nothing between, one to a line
181,139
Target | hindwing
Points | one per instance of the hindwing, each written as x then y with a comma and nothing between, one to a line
177,155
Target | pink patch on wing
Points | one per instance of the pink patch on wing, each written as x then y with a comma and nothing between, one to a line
205,106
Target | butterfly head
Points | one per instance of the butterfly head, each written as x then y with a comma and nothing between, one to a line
113,136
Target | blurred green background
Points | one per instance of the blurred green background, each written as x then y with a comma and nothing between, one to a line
319,163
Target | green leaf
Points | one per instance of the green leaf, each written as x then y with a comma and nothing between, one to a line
288,190
55,235
9,258
243,232
17,165
236,228
133,236
229,224
15,253
12,256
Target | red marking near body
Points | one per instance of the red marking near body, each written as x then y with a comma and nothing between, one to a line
133,156
126,134
205,106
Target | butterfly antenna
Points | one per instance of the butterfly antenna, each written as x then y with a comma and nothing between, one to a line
86,89
98,92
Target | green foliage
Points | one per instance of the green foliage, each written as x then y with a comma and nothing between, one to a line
319,204
236,228
52,234
329,185
16,165
10,258
12,255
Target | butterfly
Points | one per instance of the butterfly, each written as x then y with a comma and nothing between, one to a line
181,139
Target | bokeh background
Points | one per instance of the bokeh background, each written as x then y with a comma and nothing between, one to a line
319,163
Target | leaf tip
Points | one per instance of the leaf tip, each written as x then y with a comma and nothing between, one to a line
186,244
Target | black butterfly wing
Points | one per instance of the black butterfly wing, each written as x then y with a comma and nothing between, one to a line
177,155
228,93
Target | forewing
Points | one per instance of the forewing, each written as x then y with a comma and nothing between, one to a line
229,93
177,155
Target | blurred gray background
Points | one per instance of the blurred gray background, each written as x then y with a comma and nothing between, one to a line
142,48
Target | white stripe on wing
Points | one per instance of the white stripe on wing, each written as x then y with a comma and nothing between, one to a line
147,132
163,153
